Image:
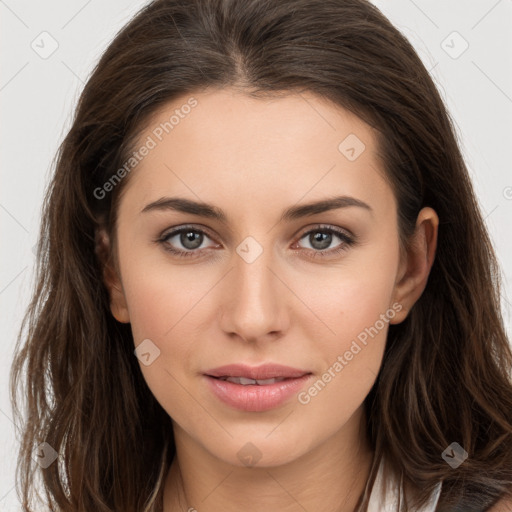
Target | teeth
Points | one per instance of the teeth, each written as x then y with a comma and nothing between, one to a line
268,381
242,380
246,382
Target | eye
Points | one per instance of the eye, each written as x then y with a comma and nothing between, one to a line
188,239
321,238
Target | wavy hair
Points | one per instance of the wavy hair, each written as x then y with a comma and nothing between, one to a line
446,373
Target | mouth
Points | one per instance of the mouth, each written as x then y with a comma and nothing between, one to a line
256,389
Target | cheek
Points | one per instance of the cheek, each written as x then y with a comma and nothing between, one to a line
352,299
351,358
161,298
359,317
356,306
166,306
161,312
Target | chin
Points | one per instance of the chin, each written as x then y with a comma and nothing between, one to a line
259,449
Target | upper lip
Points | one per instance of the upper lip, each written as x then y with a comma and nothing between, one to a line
264,371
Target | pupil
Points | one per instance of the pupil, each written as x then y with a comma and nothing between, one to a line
324,238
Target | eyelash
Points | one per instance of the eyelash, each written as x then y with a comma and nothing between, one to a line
347,241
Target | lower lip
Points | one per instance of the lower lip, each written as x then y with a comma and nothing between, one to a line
256,398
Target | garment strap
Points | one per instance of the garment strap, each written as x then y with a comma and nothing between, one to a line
386,498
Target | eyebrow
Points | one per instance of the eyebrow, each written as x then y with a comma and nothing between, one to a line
292,213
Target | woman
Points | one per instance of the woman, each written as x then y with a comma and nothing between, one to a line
264,282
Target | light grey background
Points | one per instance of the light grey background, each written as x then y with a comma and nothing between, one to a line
38,94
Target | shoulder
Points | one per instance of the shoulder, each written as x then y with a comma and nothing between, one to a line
504,505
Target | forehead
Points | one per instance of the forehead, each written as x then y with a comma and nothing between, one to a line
257,151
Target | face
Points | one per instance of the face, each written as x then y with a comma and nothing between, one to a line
314,290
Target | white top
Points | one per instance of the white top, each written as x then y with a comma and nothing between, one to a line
386,499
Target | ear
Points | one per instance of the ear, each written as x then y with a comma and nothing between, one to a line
415,264
111,277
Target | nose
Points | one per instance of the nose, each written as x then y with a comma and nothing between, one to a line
254,303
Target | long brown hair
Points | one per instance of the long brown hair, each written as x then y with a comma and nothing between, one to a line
446,370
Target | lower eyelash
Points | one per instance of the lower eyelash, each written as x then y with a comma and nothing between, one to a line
347,242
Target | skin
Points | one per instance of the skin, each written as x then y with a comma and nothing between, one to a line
253,158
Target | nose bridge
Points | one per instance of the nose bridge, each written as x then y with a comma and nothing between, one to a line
255,306
252,272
